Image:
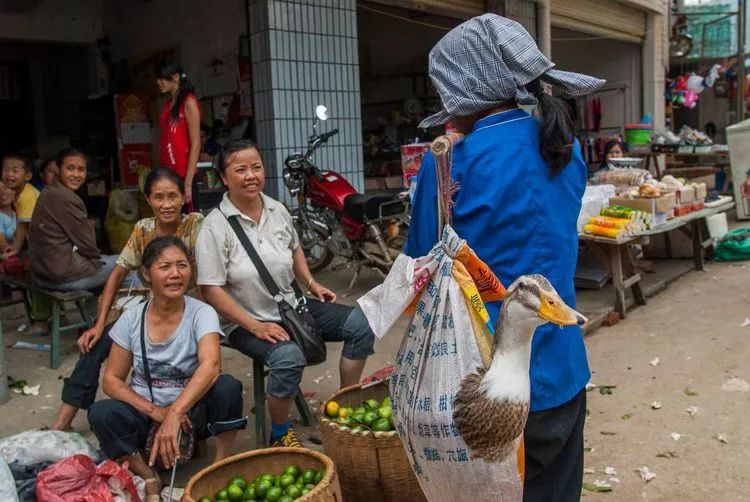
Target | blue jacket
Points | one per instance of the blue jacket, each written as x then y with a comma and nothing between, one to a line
520,220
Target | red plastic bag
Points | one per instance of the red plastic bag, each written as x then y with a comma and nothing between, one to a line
77,479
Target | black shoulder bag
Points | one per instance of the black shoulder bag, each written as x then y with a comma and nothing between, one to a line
299,322
197,415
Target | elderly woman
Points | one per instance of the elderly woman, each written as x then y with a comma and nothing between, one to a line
165,193
171,345
232,285
521,183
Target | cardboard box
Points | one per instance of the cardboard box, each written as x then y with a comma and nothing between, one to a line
657,205
700,191
708,181
394,182
683,209
374,184
685,195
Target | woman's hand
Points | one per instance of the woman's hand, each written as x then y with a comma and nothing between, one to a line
270,332
158,414
322,293
166,442
188,191
89,338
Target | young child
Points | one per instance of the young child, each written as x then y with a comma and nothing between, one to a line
49,172
7,217
16,175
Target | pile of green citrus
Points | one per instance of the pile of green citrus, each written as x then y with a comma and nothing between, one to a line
372,415
289,485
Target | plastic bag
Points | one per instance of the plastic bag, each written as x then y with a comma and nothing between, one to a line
122,214
447,339
35,447
595,198
77,479
734,246
7,484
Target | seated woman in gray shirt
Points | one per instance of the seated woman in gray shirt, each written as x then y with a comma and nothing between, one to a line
229,281
181,387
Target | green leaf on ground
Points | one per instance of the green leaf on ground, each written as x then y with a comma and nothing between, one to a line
596,489
691,392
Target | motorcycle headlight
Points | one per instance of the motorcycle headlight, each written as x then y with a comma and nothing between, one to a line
292,181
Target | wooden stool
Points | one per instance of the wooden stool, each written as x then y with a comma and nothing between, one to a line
58,299
259,396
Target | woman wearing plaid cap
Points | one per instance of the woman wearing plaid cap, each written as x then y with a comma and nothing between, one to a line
521,182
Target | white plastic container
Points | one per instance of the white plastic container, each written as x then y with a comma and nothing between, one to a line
738,138
717,226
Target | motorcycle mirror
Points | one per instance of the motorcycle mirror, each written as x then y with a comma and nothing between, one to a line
321,112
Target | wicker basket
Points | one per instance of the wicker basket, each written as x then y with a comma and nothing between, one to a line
371,465
251,464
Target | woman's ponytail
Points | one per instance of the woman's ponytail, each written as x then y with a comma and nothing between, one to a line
557,130
166,70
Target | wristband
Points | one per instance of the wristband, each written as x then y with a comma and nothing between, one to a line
310,282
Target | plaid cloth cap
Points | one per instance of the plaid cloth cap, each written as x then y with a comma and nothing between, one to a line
487,61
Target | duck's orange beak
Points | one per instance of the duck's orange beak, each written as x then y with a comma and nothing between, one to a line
554,310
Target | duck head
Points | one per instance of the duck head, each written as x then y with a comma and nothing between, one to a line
530,302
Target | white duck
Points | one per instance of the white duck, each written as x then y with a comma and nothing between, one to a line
492,404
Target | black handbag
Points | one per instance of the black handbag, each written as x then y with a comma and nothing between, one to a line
298,321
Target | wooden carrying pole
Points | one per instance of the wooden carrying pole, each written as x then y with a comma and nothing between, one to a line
741,72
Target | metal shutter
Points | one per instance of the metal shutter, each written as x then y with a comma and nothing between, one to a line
601,18
459,9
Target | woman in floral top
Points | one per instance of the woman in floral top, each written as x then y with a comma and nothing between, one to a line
165,192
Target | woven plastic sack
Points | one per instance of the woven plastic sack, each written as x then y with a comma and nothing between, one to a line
734,246
446,340
36,447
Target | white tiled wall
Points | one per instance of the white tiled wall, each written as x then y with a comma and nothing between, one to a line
304,53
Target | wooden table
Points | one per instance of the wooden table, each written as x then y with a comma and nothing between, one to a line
616,252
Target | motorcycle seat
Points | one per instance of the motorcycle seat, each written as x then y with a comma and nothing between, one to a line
366,206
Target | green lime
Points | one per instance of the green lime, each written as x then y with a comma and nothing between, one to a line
294,491
286,498
239,481
300,480
274,494
373,404
250,492
267,477
262,488
319,476
384,412
292,470
305,491
387,402
370,417
236,493
359,410
344,421
309,476
381,424
286,481
309,486
359,428
204,499
349,411
222,495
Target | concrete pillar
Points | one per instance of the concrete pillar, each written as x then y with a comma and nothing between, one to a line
655,61
304,53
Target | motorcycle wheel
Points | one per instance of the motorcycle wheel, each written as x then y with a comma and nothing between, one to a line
313,243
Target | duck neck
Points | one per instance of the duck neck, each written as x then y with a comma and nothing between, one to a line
507,379
512,337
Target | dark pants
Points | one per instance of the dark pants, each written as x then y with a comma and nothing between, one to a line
285,360
80,388
553,444
122,430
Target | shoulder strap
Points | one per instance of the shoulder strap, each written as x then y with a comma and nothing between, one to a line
253,254
442,150
146,371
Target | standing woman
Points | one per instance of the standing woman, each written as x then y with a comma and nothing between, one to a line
165,193
180,125
521,183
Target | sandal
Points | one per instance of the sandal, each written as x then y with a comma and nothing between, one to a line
155,497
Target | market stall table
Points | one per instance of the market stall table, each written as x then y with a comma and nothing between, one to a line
616,254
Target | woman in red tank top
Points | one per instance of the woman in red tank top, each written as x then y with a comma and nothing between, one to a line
180,125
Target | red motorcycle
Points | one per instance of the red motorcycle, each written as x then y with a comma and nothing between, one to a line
333,219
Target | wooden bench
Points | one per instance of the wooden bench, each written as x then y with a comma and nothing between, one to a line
58,298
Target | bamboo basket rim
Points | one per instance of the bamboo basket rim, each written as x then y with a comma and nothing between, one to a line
330,467
348,430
